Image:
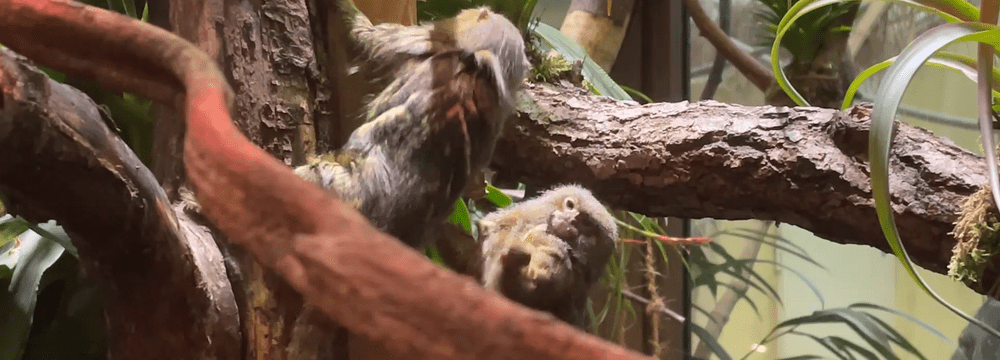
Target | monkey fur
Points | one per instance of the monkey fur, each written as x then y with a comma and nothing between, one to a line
547,252
448,93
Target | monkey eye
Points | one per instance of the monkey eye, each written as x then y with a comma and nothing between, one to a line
569,203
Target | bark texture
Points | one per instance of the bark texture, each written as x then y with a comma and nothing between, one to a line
320,246
163,284
802,166
267,51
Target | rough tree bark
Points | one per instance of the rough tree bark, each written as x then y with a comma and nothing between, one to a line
317,244
268,53
663,159
161,275
802,166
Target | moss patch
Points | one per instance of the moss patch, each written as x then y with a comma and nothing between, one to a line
976,231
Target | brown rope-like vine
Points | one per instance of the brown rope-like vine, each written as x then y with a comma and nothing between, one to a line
365,280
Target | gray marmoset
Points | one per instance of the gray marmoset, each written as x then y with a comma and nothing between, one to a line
547,252
448,91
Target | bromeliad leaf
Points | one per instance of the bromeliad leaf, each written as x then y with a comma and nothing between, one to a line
951,61
572,51
803,7
887,101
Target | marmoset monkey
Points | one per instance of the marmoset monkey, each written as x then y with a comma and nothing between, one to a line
449,89
548,251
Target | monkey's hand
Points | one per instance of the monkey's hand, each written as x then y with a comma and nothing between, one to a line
548,273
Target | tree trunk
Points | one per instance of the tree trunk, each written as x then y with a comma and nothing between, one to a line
598,27
268,52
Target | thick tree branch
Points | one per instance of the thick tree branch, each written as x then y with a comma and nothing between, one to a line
803,166
365,280
163,283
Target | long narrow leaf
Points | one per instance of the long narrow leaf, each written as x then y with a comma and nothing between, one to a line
985,99
909,317
572,51
805,6
712,343
883,116
945,60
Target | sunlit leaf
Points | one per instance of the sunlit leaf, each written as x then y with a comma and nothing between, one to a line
53,232
497,197
460,216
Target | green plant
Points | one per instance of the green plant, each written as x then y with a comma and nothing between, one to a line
963,25
802,38
51,311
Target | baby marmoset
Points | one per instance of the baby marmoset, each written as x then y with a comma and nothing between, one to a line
448,91
548,251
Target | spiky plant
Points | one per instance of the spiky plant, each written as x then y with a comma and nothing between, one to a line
817,43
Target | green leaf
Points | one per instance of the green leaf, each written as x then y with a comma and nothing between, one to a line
712,343
887,101
909,317
129,7
434,254
878,334
775,242
959,9
803,7
56,233
945,60
497,197
637,93
460,216
572,52
37,255
11,227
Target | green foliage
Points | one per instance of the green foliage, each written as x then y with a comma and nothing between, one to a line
887,101
944,60
37,268
549,68
879,339
805,37
49,311
602,83
901,71
802,8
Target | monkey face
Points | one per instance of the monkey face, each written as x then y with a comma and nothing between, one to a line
563,221
546,252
